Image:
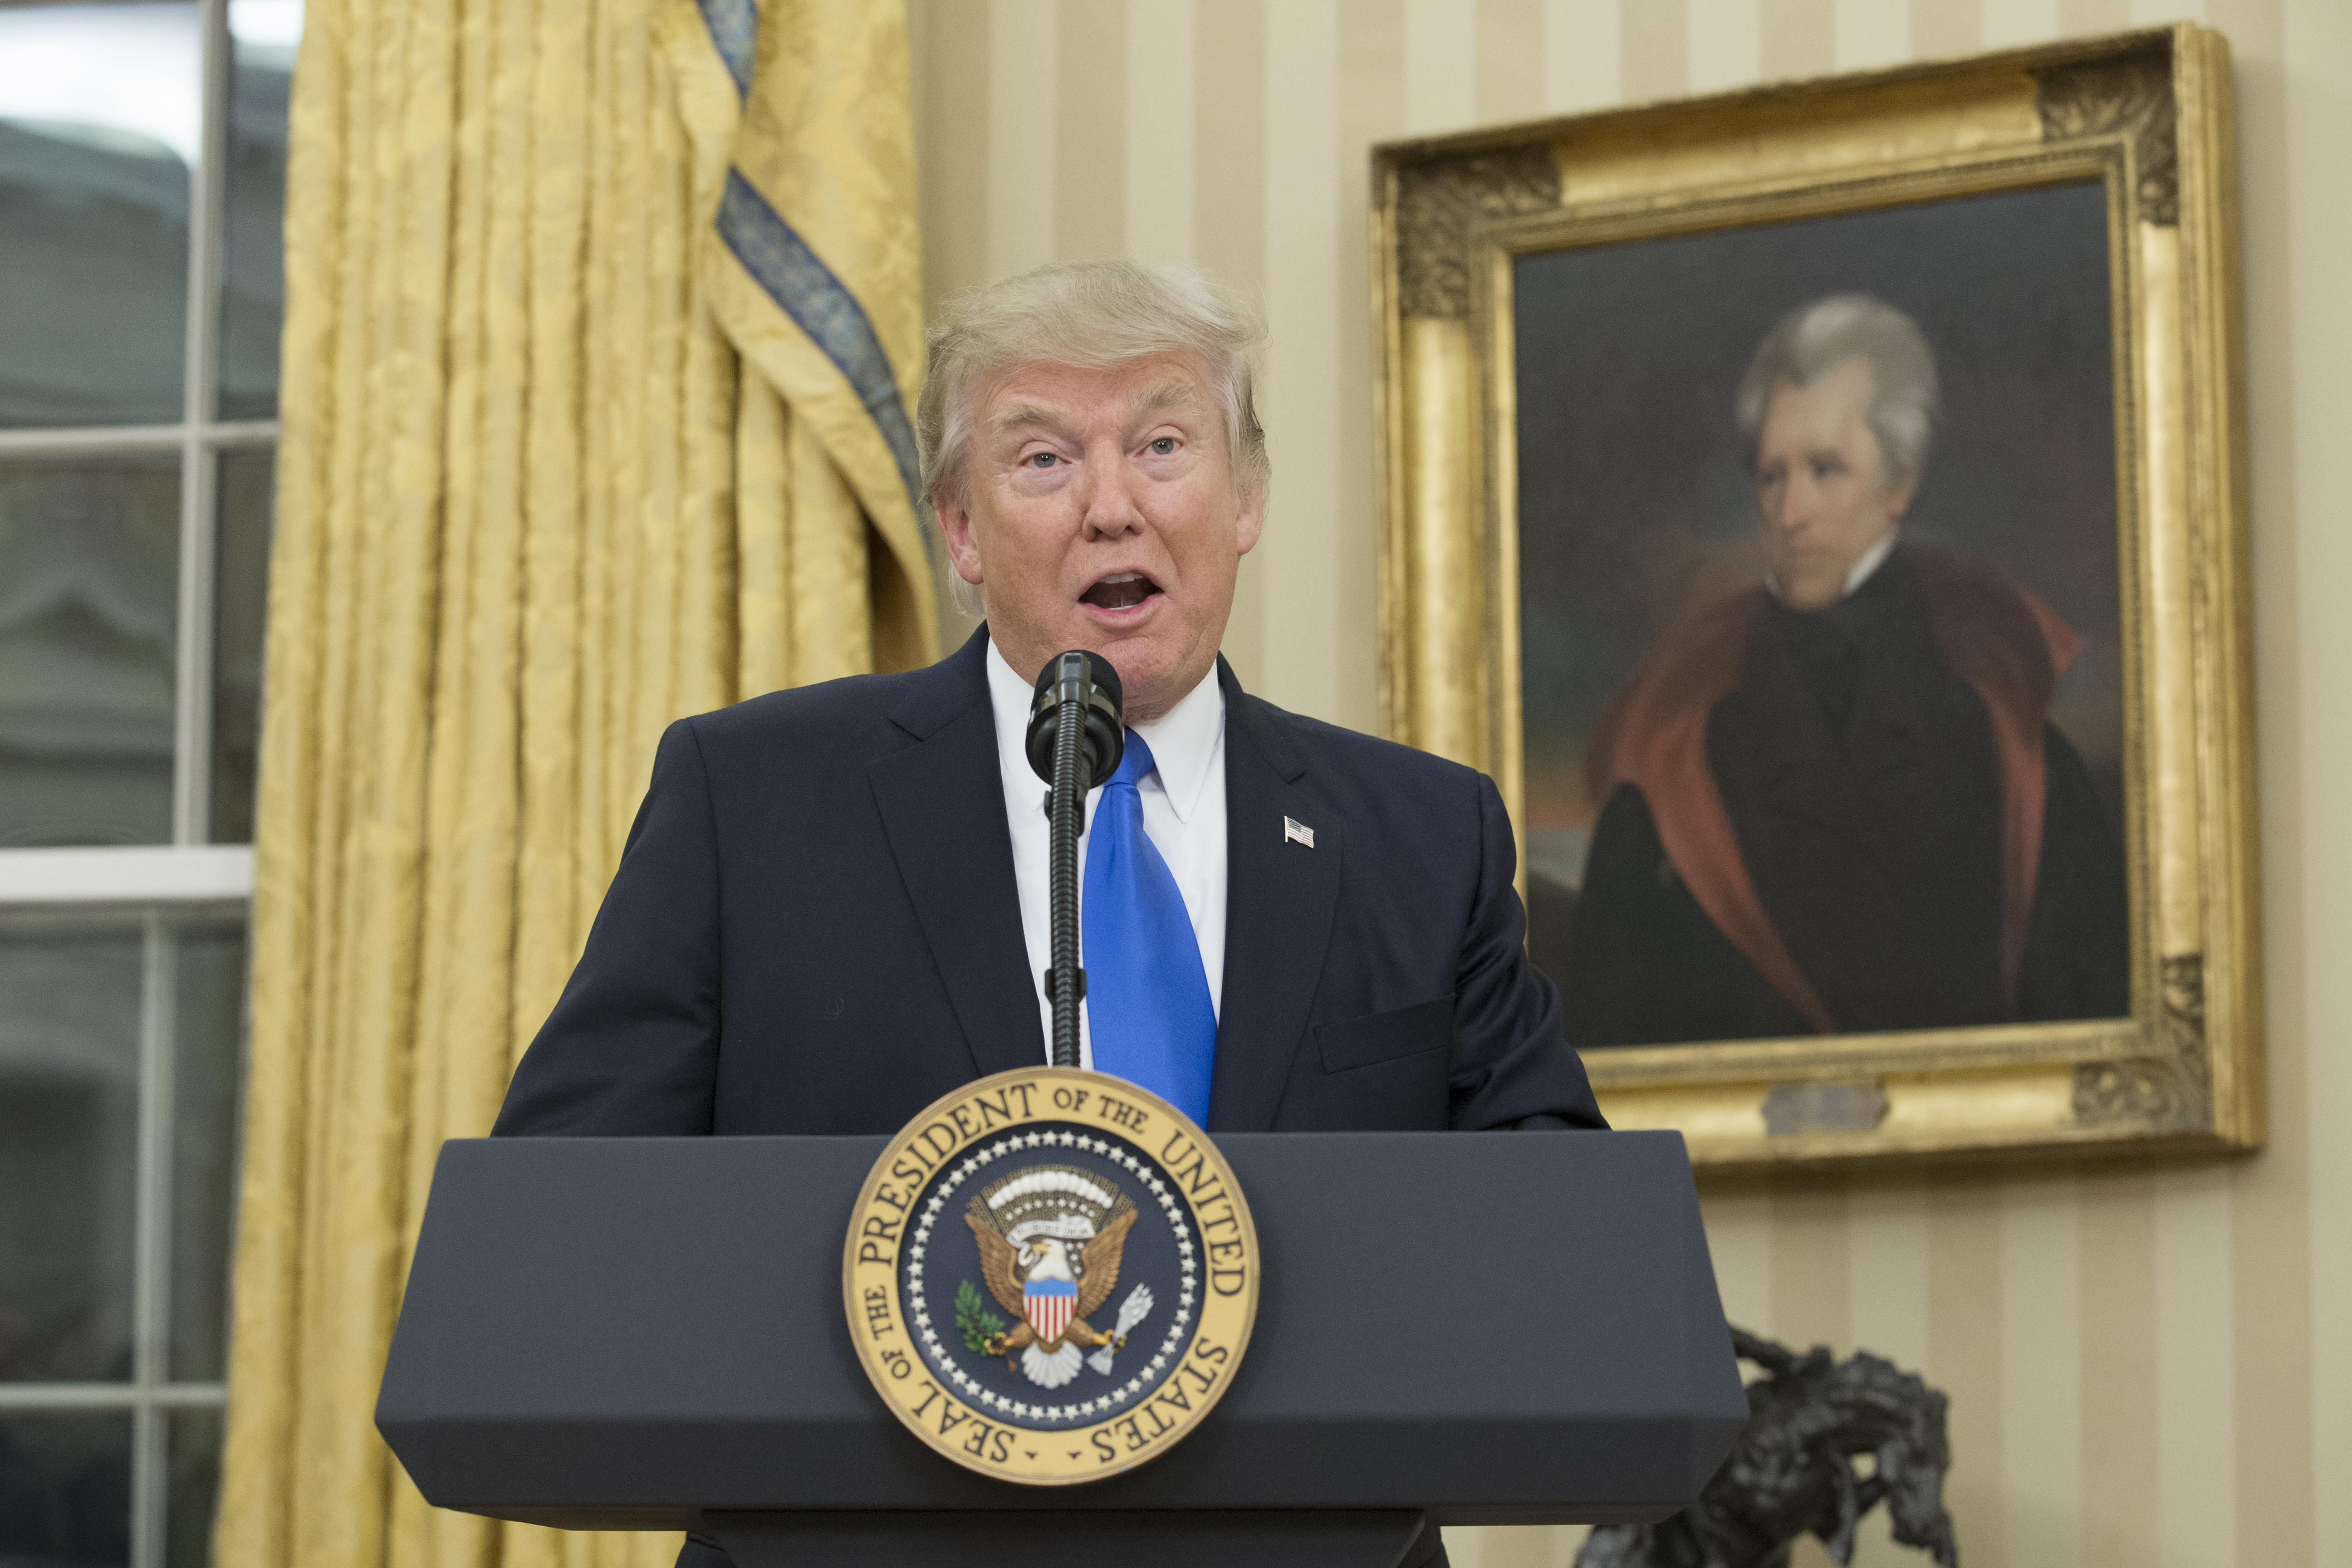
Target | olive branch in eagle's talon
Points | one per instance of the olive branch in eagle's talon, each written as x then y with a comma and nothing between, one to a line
983,1330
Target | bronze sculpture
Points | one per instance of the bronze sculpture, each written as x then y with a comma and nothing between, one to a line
1793,1469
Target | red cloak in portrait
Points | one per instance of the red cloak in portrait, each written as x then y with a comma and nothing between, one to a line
1992,631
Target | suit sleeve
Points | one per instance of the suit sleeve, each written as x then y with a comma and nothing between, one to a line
1511,1066
632,1047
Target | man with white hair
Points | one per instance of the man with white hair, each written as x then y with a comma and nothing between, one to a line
1835,802
832,909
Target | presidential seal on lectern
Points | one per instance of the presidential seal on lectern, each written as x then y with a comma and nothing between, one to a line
1050,1276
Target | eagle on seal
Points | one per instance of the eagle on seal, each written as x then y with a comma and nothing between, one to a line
1051,1240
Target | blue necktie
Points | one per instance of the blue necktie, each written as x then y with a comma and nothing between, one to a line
1148,1013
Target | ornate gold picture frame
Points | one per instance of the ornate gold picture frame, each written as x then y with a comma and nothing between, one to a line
1575,501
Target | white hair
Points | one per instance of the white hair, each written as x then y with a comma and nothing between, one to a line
1094,315
1813,340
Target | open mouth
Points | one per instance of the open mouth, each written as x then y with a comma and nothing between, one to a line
1121,591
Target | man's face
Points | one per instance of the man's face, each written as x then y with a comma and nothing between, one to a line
1100,513
1821,484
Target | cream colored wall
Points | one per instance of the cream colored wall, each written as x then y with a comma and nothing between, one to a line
2149,1367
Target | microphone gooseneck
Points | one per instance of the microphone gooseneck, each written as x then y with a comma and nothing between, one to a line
1075,737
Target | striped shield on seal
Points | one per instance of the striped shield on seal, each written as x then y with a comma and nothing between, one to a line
1047,1304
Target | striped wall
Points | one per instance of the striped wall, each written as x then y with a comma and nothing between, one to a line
2148,1366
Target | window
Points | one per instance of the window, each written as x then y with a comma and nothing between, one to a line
142,161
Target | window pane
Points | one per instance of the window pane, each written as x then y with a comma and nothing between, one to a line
195,1481
89,558
68,1143
65,1489
208,1016
241,587
262,38
99,107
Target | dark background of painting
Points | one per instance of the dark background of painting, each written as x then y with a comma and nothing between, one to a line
1635,506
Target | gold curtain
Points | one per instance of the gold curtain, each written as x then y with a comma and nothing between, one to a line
533,503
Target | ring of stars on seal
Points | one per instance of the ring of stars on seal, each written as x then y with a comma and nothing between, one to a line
1050,1276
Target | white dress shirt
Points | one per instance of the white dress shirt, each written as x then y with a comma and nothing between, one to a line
1184,816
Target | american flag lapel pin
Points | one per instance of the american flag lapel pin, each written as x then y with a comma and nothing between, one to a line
1297,832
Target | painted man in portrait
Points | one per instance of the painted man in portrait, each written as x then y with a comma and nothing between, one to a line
1835,803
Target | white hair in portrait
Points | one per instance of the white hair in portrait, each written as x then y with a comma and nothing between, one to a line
1093,315
1813,340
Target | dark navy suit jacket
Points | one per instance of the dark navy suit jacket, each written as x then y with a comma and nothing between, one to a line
815,929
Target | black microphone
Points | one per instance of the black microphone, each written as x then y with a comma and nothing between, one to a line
1076,734
1088,680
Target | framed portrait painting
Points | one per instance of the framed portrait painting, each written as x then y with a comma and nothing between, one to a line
1821,507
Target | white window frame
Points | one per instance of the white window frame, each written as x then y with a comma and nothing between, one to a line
155,885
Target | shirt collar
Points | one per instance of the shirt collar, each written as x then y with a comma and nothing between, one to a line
1183,740
1872,560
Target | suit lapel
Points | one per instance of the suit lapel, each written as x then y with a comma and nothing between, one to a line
942,806
1280,897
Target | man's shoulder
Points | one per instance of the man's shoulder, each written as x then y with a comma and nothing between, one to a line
1344,759
844,703
836,720
1994,631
